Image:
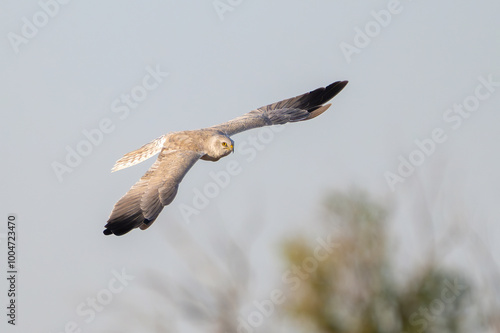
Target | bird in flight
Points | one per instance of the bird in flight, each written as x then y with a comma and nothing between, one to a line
179,151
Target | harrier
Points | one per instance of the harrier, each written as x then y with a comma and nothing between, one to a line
179,151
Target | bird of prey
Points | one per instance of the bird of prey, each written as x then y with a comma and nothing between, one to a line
179,151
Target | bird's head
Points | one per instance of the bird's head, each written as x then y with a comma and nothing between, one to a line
219,146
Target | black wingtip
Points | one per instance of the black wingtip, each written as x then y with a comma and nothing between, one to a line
316,98
117,230
333,89
123,224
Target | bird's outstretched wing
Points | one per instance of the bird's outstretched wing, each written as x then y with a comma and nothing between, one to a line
303,107
140,206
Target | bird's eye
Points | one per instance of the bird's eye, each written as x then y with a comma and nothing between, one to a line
224,144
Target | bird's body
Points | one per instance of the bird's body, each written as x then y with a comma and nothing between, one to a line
179,151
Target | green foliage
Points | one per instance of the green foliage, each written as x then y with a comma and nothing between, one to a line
355,289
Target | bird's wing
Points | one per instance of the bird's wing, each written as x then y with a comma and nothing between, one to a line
303,107
140,206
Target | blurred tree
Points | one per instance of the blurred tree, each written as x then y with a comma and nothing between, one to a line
354,289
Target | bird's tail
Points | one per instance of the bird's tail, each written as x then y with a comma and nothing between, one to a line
141,154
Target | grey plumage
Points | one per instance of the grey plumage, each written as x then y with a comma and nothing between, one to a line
179,151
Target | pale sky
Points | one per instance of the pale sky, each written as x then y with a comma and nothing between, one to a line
417,71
